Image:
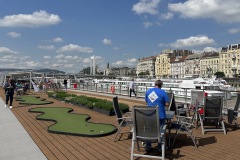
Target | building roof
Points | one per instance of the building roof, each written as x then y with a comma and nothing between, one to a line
210,54
148,58
176,59
194,56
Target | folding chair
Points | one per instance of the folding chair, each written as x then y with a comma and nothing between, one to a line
146,128
122,121
172,103
232,114
211,119
183,124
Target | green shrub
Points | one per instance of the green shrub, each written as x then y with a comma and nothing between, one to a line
61,95
89,101
68,99
50,94
90,104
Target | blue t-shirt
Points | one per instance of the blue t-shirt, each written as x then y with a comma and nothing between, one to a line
157,97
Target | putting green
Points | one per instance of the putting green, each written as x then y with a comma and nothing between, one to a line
72,123
32,100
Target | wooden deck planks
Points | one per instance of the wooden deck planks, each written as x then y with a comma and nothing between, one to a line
55,146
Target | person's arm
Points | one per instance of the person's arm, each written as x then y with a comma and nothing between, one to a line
146,98
166,100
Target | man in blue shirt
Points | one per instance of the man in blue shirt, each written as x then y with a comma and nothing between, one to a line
157,97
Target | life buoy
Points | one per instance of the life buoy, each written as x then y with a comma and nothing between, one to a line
112,88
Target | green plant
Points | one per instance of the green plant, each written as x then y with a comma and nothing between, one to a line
68,99
91,102
51,94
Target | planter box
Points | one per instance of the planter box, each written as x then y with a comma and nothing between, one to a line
109,113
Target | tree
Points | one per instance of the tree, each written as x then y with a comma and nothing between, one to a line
219,74
142,74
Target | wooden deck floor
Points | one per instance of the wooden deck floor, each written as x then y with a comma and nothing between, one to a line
212,146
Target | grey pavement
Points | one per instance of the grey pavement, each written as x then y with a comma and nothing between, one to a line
15,142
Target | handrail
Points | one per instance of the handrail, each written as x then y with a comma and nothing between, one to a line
182,95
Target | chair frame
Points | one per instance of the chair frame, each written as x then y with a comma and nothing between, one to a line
172,103
233,113
122,121
183,125
218,118
160,139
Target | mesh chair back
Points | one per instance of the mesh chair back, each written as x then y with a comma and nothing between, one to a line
197,98
237,105
117,109
146,123
172,104
213,107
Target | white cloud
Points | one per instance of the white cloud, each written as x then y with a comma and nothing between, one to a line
56,65
60,56
87,60
49,47
36,19
115,48
25,58
192,41
234,30
98,59
133,60
222,11
14,34
68,65
128,63
32,64
7,50
75,48
147,24
47,57
162,45
207,49
8,59
118,63
107,41
166,16
58,39
146,7
62,61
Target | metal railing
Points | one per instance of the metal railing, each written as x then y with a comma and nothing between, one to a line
182,95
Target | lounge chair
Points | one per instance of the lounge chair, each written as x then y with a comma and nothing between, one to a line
211,119
122,121
146,128
232,113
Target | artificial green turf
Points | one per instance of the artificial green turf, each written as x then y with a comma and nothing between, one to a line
32,100
71,123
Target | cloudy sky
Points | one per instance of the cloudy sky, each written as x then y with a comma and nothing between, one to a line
65,34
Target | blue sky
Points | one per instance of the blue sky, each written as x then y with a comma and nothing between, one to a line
65,34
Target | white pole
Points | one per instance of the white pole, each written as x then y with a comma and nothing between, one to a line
30,84
94,65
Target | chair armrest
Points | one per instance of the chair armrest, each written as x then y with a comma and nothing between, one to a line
124,118
128,113
163,129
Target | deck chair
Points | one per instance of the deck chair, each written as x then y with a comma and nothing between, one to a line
122,121
232,114
211,119
183,124
146,127
172,103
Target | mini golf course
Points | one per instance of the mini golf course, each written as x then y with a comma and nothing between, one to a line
71,123
32,100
